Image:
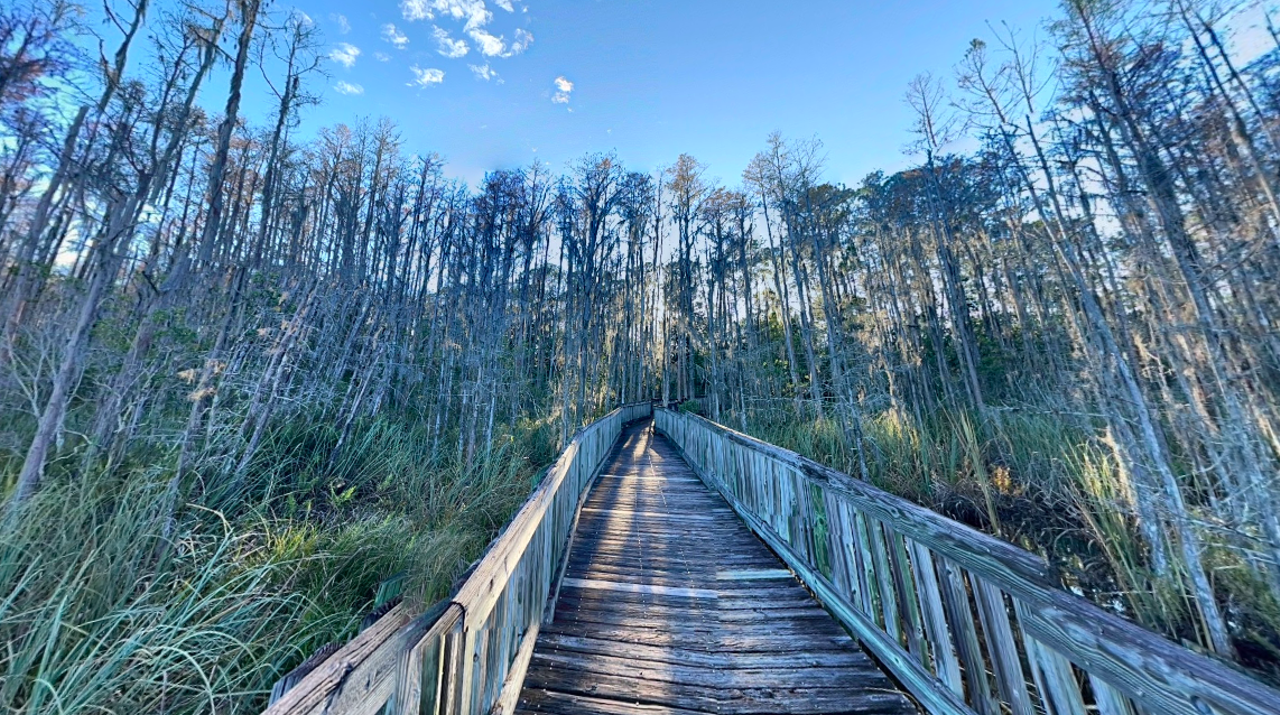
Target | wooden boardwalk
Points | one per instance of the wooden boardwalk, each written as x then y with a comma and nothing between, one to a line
670,605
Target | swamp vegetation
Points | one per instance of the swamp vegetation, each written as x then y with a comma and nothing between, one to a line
250,376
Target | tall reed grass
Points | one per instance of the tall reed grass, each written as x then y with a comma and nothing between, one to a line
100,613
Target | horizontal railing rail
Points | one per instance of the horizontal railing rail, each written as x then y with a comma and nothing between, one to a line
468,655
966,622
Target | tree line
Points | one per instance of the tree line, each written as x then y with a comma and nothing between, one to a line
242,272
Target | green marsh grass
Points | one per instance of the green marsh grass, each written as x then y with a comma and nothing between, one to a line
100,614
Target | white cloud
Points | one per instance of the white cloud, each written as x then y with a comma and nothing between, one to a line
484,71
341,21
448,46
382,57
425,78
394,36
563,89
348,88
524,38
473,11
416,10
344,54
302,18
488,44
475,16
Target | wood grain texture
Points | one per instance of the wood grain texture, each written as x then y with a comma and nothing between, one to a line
362,677
670,604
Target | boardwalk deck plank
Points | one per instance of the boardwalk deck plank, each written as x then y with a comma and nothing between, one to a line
671,606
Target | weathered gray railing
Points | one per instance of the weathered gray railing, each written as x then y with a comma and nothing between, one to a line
968,623
467,656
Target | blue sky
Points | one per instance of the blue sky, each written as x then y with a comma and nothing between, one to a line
649,78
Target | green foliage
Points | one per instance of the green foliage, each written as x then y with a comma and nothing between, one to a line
102,614
99,616
692,407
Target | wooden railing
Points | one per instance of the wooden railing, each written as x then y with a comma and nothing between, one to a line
467,656
967,623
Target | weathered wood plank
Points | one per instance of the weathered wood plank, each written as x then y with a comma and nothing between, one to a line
717,660
905,588
725,639
709,630
945,663
751,602
360,678
548,702
757,697
755,575
840,677
639,588
660,613
998,634
964,630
